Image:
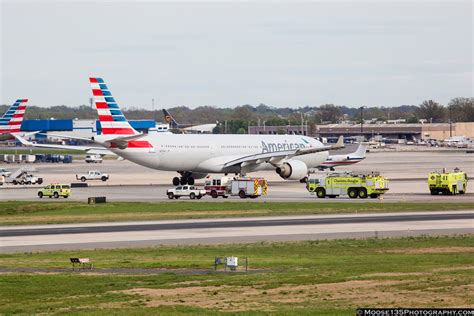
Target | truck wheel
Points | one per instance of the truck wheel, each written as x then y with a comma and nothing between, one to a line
225,196
170,195
320,193
199,197
175,181
242,194
40,180
15,182
363,193
104,179
66,196
433,192
83,179
374,196
455,190
176,197
40,195
352,193
192,196
214,194
56,195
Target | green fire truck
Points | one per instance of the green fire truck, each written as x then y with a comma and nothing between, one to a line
447,182
354,185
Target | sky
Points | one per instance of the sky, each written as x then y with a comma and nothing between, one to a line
225,54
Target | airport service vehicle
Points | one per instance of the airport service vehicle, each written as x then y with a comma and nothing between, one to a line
194,156
353,185
4,172
447,182
27,179
248,187
185,190
236,186
55,190
93,175
10,122
93,159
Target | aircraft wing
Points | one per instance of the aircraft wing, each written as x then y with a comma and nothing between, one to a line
276,157
95,150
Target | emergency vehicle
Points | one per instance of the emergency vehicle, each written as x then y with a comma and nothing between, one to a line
55,190
447,182
236,186
360,185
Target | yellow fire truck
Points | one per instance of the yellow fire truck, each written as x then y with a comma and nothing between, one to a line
447,182
353,185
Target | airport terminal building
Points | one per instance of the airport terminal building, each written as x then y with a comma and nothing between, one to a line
438,131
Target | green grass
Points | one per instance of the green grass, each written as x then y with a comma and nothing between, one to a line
13,213
307,278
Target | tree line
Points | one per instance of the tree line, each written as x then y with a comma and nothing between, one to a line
239,118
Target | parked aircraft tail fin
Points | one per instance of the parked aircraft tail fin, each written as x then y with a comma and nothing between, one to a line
112,120
11,121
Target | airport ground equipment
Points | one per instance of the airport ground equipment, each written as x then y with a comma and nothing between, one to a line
93,175
93,159
447,182
236,186
23,176
55,190
185,190
354,185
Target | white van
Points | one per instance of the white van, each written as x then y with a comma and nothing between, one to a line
93,159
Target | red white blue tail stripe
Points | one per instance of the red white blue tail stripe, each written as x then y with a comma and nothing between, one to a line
11,121
112,120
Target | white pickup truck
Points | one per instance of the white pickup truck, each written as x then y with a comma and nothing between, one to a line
186,190
92,175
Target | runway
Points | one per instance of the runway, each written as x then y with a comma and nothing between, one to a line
133,234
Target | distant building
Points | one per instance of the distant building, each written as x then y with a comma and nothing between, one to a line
396,130
284,129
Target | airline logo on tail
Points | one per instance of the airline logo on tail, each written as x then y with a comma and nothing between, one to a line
112,120
11,121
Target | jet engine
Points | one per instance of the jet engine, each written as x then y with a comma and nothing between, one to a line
293,170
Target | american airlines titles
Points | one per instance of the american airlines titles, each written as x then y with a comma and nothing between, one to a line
274,147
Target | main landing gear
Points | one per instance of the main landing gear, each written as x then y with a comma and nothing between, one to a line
184,179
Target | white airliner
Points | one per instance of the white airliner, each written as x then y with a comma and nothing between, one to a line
344,160
194,156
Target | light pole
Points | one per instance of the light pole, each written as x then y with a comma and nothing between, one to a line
361,119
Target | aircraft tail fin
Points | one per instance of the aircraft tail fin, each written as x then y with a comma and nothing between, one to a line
361,150
11,121
112,120
170,119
